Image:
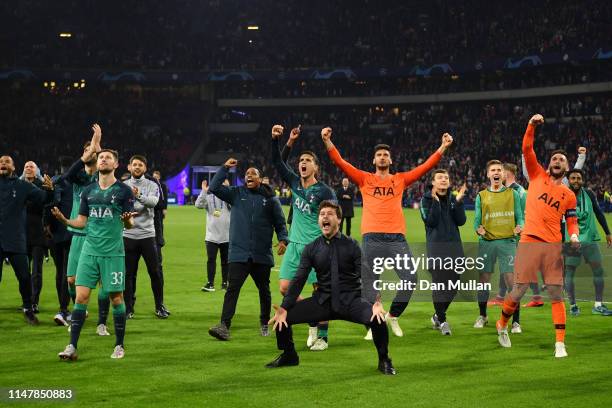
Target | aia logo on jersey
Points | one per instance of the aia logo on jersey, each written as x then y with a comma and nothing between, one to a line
100,212
302,205
383,191
551,201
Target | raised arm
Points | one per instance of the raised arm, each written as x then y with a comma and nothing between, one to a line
357,176
201,201
285,172
581,160
418,172
216,184
534,169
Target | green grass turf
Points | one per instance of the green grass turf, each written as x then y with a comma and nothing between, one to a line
175,363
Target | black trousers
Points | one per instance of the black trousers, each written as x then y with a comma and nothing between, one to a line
134,249
348,225
237,274
443,298
382,245
36,257
160,262
211,264
309,310
60,252
19,262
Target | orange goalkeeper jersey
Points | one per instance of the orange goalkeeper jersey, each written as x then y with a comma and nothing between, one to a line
547,201
382,197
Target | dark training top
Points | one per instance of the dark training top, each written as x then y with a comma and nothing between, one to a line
14,193
339,281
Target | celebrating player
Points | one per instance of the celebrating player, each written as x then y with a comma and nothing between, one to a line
306,195
106,209
540,245
383,225
498,219
587,210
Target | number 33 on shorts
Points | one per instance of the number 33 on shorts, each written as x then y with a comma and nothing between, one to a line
116,278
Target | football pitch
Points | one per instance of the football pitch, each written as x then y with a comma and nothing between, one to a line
175,363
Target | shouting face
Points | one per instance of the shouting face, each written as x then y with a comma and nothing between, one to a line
7,167
252,178
495,175
328,221
558,165
307,166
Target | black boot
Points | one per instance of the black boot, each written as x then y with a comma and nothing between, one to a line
285,360
386,367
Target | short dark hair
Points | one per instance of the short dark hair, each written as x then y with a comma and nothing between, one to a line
511,167
382,146
111,151
492,162
559,151
331,204
438,171
579,171
86,144
138,157
310,153
158,172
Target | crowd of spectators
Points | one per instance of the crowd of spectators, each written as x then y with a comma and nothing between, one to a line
45,124
482,131
213,34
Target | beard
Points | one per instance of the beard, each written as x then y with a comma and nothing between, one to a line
557,173
106,171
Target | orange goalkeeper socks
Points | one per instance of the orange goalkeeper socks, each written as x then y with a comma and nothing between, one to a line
507,311
558,315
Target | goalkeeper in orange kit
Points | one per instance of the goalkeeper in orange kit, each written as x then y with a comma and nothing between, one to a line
540,245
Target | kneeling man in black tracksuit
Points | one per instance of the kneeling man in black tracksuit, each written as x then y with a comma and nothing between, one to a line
336,259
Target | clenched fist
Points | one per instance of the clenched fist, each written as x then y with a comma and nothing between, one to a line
536,119
326,134
231,162
277,131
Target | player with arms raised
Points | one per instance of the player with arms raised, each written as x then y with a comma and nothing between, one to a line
540,245
106,208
